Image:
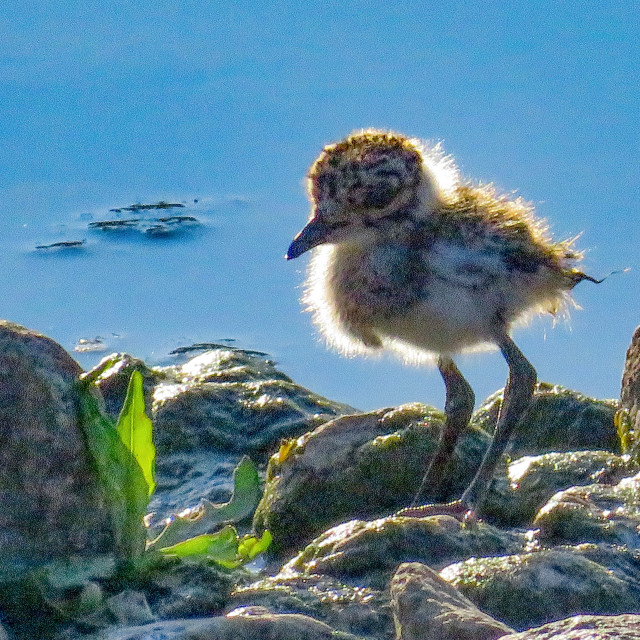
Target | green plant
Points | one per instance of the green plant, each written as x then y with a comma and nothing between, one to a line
629,444
224,547
124,458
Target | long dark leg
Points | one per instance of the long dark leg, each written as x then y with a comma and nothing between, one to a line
517,396
458,408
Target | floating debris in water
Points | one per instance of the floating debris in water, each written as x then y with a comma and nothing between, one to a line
178,219
157,230
89,345
108,225
64,244
141,207
149,226
166,226
210,346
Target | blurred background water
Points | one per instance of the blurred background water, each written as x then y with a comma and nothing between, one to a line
222,106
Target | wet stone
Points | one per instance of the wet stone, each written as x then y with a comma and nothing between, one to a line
223,400
593,513
623,627
630,392
529,589
366,553
558,419
241,624
526,484
358,466
425,606
362,611
46,475
112,374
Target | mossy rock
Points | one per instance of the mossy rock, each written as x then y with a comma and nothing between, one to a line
530,589
356,610
222,400
558,419
593,513
359,466
112,374
526,484
366,553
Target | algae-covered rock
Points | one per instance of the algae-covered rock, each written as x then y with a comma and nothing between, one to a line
619,560
630,391
593,513
358,466
558,419
529,589
342,577
235,401
236,625
186,480
51,502
362,611
623,627
529,482
182,588
366,553
209,411
425,606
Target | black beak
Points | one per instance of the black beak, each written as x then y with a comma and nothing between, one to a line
311,236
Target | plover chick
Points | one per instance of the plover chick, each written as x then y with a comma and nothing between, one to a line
411,258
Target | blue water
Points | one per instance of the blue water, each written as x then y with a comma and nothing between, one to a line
228,103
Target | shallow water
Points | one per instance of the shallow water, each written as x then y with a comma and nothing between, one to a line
228,103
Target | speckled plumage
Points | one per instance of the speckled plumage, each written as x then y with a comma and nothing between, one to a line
410,257
438,267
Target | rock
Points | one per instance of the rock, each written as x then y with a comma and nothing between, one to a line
222,400
530,589
129,607
630,392
425,606
207,413
226,402
558,419
342,577
185,588
593,513
235,401
112,374
624,627
529,482
185,480
46,475
357,466
361,611
366,553
619,561
241,624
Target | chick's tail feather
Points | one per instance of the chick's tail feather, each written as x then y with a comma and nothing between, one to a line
579,276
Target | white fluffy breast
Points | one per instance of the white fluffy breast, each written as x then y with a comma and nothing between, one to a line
365,299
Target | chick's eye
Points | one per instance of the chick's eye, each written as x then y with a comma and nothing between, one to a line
380,195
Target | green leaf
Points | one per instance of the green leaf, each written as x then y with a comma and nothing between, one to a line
136,430
246,495
123,485
249,546
221,546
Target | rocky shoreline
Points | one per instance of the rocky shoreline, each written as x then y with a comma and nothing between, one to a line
555,552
